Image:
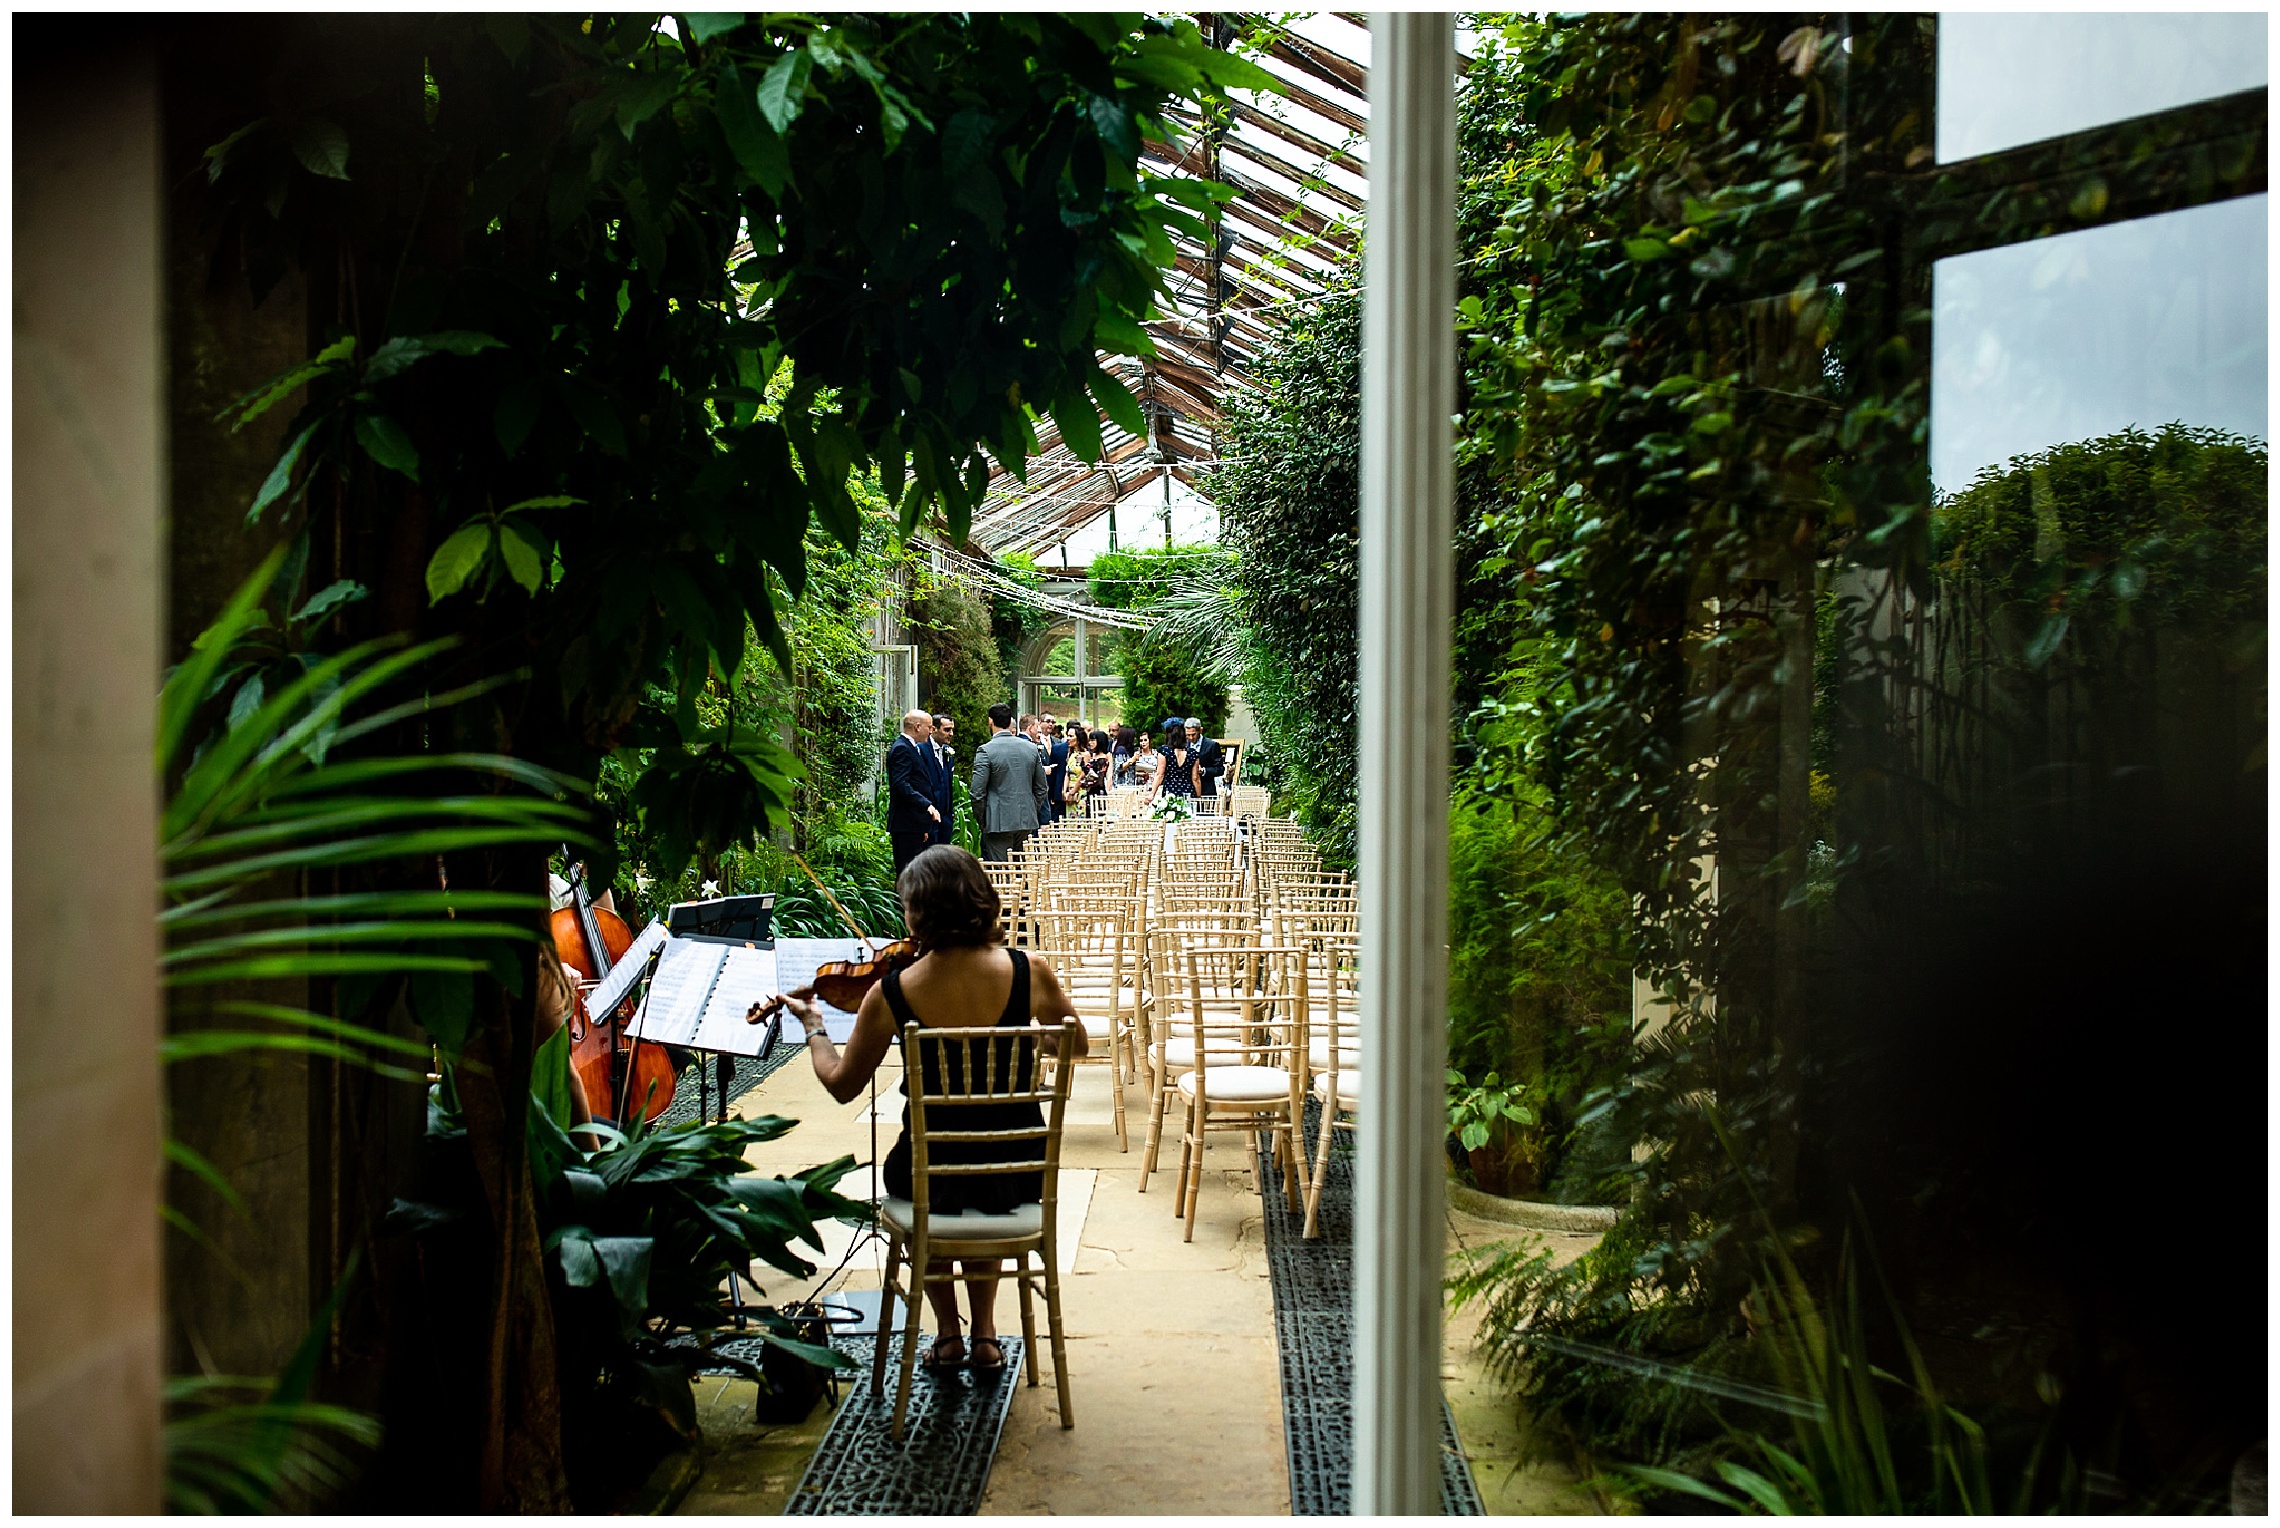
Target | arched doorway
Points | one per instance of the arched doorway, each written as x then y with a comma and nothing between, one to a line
1068,668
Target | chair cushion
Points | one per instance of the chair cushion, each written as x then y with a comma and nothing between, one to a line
968,1225
1183,1049
1241,1084
1349,1089
1318,1053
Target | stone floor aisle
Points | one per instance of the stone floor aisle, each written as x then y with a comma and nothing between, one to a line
1172,1352
1171,1343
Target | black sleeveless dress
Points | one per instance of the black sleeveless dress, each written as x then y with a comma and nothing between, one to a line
995,1193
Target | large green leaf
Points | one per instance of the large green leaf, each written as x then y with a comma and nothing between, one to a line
1079,425
322,148
758,147
459,559
783,88
1116,403
235,1444
524,549
385,442
281,475
704,26
278,388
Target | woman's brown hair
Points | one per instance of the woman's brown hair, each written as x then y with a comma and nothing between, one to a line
948,900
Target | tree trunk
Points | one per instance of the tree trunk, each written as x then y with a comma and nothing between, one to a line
521,1468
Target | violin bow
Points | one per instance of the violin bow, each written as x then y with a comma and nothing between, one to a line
844,916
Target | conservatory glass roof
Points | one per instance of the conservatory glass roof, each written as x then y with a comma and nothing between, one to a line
1298,164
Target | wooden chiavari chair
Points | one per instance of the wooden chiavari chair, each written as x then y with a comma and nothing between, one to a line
1334,1062
1092,940
1243,1014
1169,1044
952,1068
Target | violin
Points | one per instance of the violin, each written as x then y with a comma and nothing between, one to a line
589,940
843,984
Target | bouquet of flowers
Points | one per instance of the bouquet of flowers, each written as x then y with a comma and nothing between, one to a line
1172,809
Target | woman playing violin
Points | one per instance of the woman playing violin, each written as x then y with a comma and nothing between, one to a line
963,979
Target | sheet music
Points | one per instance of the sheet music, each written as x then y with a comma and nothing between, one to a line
676,1005
611,990
747,976
796,962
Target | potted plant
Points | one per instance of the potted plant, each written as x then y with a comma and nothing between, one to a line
1487,1120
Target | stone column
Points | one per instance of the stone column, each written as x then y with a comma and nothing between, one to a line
90,447
1408,471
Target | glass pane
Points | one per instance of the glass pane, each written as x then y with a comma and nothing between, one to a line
1102,644
1107,709
2007,79
1060,700
2073,337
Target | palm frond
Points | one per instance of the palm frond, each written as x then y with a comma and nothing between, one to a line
248,1445
1202,611
263,800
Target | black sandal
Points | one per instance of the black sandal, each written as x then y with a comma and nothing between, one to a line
935,1363
994,1365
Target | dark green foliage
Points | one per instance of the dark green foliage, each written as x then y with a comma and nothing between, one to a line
1539,980
556,387
825,708
958,658
249,1445
640,1237
1290,508
2134,527
1971,790
1645,169
1165,678
266,749
2096,601
286,789
1177,667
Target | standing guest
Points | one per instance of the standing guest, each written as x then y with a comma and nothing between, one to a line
1057,767
1179,776
1210,758
1098,764
1127,744
1146,763
945,764
912,815
1008,790
1076,762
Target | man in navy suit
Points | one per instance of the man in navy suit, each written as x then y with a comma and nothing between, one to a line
912,815
1056,766
945,761
1209,754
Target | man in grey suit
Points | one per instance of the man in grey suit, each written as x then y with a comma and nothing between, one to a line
1008,792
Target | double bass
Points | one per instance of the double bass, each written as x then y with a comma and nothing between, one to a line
613,1071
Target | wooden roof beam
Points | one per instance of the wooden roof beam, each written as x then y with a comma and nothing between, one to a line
1322,232
1297,139
1283,208
1331,68
1313,184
